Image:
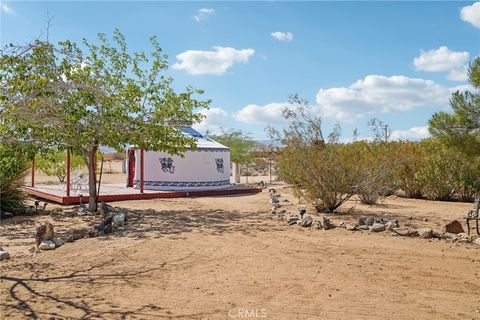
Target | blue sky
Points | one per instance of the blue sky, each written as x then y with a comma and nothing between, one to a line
396,61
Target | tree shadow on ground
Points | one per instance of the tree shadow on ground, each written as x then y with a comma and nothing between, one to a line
31,296
149,223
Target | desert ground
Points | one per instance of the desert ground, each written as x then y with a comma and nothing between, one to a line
229,258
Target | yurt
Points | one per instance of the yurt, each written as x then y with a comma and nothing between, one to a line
205,168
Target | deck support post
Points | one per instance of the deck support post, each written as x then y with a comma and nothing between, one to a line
33,172
142,167
68,172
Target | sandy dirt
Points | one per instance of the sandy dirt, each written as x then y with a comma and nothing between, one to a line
228,258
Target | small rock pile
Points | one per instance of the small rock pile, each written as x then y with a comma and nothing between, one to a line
453,231
114,217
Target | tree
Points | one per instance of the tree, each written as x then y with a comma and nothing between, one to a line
240,144
461,129
82,97
55,163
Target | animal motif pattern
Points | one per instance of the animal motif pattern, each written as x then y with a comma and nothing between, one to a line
167,165
220,167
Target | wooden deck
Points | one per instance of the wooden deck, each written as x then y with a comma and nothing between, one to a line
116,192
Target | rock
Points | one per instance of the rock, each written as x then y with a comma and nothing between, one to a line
44,232
342,225
79,233
291,223
58,242
454,227
326,224
476,241
351,227
119,219
425,233
292,219
47,245
363,227
316,225
273,210
406,233
463,237
104,209
377,227
370,221
360,222
285,200
390,225
4,255
302,211
450,235
306,221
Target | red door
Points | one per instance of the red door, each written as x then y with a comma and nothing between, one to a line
131,167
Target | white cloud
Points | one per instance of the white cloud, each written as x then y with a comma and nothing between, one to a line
282,36
215,118
267,114
458,74
6,9
380,94
203,14
471,14
415,133
217,62
444,60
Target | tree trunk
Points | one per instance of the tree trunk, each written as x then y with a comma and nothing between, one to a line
92,179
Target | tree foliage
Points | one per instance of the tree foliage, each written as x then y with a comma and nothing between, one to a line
55,163
81,97
241,144
461,128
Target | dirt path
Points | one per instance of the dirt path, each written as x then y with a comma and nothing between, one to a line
226,258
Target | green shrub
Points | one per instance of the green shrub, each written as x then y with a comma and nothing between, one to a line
14,167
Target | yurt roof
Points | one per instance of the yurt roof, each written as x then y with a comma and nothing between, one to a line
202,141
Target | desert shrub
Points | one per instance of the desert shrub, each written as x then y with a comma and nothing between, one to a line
376,163
14,167
55,163
410,160
447,172
325,172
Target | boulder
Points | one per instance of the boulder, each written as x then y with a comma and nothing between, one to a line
119,219
316,225
377,227
360,222
47,245
292,219
44,232
351,227
454,227
326,224
425,233
58,242
104,209
370,221
4,255
390,225
306,221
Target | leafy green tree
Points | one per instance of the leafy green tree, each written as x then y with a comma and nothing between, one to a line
461,129
55,163
99,94
240,144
